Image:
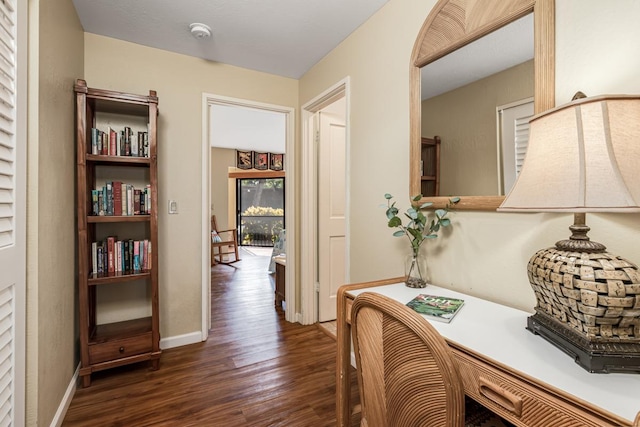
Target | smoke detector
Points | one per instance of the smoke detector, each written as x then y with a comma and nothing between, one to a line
200,31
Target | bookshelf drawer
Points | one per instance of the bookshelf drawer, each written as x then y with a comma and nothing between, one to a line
121,348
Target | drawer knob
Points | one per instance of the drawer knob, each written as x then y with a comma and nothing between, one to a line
500,396
121,349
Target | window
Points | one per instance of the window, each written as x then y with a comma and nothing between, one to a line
260,207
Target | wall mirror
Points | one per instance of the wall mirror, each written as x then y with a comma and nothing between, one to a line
453,27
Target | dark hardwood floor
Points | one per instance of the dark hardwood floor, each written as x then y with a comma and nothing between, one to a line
254,370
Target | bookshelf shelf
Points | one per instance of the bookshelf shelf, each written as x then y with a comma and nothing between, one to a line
94,219
97,279
117,178
118,160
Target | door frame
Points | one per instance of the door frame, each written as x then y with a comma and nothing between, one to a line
209,99
308,198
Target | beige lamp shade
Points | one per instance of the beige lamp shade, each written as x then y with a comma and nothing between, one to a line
582,157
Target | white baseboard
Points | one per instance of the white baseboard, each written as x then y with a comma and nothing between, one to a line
66,400
180,340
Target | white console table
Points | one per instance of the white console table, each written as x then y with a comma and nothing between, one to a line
511,371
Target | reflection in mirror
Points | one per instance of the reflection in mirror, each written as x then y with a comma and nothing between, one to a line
463,95
451,25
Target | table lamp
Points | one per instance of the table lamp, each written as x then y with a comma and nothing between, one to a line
584,157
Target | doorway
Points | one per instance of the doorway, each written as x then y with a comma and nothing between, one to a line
210,104
324,239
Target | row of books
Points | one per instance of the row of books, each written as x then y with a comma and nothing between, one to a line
117,198
119,143
111,256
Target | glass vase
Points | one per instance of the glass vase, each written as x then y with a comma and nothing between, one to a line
415,270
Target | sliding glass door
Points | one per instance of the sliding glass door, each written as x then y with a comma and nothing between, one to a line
260,210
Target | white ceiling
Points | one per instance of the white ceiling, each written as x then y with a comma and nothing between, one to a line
287,37
282,37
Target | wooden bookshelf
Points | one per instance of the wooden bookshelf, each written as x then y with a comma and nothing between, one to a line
430,166
108,345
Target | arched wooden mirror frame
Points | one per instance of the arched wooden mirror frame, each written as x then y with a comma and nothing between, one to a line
456,23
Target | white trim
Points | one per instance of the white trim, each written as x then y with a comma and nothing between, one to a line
308,202
290,226
58,418
180,340
308,219
514,103
205,224
209,99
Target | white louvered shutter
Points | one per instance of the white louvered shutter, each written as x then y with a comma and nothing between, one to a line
522,141
12,210
7,123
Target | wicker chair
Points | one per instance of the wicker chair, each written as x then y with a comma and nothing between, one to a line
406,372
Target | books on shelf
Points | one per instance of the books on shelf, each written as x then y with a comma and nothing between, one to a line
111,142
436,307
120,199
112,256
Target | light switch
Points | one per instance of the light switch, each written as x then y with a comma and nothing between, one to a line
173,207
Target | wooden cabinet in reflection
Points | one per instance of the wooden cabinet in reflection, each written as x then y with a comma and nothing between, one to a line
430,166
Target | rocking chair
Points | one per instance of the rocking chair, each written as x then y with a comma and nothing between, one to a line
223,242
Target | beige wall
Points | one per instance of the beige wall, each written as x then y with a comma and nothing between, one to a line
180,82
221,160
486,253
376,59
55,60
597,48
465,119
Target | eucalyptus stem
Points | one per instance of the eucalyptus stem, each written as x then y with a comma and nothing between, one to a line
416,229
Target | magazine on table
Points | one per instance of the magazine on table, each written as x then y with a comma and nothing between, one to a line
436,307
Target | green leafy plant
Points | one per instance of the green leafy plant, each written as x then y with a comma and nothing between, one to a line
417,230
261,224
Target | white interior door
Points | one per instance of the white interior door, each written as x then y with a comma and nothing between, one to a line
331,208
13,95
